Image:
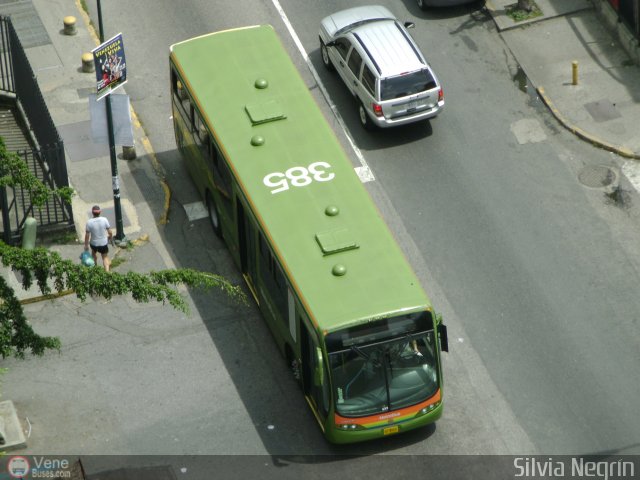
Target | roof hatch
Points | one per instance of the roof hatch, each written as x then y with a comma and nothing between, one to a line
334,241
268,111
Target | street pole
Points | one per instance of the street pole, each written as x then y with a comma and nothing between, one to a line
115,182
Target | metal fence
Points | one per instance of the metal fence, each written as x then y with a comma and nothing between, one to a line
46,159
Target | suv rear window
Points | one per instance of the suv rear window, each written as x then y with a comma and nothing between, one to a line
407,84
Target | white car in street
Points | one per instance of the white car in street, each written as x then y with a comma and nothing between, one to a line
381,66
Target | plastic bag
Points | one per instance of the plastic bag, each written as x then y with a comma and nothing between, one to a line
86,259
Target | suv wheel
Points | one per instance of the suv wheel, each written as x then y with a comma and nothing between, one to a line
422,4
326,61
364,117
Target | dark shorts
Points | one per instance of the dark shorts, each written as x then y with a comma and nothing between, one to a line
102,249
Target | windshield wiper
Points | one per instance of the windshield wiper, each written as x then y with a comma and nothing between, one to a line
367,359
359,351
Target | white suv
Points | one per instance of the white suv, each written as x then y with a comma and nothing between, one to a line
381,65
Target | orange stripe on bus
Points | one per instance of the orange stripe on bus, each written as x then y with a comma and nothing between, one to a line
403,412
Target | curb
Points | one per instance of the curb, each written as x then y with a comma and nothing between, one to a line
144,238
49,296
594,140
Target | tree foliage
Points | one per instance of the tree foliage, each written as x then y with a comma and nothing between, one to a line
14,172
50,272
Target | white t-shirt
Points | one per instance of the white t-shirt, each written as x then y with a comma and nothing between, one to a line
98,226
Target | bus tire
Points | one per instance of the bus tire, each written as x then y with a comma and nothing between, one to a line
214,215
326,61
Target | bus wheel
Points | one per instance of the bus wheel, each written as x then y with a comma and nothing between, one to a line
214,216
326,61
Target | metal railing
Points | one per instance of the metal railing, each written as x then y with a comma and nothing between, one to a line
46,159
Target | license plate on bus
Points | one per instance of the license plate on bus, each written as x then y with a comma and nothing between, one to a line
390,430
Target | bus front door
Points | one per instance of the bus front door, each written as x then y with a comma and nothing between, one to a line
316,393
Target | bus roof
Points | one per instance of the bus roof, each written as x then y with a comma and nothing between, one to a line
226,73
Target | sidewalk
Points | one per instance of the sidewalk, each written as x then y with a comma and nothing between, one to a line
604,107
56,60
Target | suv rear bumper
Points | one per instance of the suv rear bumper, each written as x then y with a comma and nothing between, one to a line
384,122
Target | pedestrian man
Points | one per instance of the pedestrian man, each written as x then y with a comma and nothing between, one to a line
98,236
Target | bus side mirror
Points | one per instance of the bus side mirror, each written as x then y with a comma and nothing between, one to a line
318,377
442,335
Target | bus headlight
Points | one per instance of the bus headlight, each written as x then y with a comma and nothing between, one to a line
429,408
350,426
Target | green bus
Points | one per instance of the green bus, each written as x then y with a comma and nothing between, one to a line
343,304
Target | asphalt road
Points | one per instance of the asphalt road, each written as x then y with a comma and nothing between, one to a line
537,276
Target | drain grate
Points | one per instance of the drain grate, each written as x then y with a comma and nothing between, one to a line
597,176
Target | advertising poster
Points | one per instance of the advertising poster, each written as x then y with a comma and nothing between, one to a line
111,67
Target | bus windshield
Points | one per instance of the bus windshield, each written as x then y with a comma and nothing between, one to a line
385,375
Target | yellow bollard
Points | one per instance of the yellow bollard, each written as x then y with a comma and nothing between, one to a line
69,25
87,62
574,72
129,152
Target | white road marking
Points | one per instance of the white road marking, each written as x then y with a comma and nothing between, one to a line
364,172
528,130
195,211
631,170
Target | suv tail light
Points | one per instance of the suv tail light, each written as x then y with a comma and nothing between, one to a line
377,109
440,95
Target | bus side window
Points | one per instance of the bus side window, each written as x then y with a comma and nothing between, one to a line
273,280
181,97
221,174
201,134
212,153
177,87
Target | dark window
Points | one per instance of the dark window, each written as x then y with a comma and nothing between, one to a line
273,280
407,84
355,61
181,98
221,173
369,81
343,46
200,131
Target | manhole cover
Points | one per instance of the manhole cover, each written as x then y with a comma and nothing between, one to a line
597,176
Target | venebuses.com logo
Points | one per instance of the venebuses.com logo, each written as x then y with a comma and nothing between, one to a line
18,467
37,467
